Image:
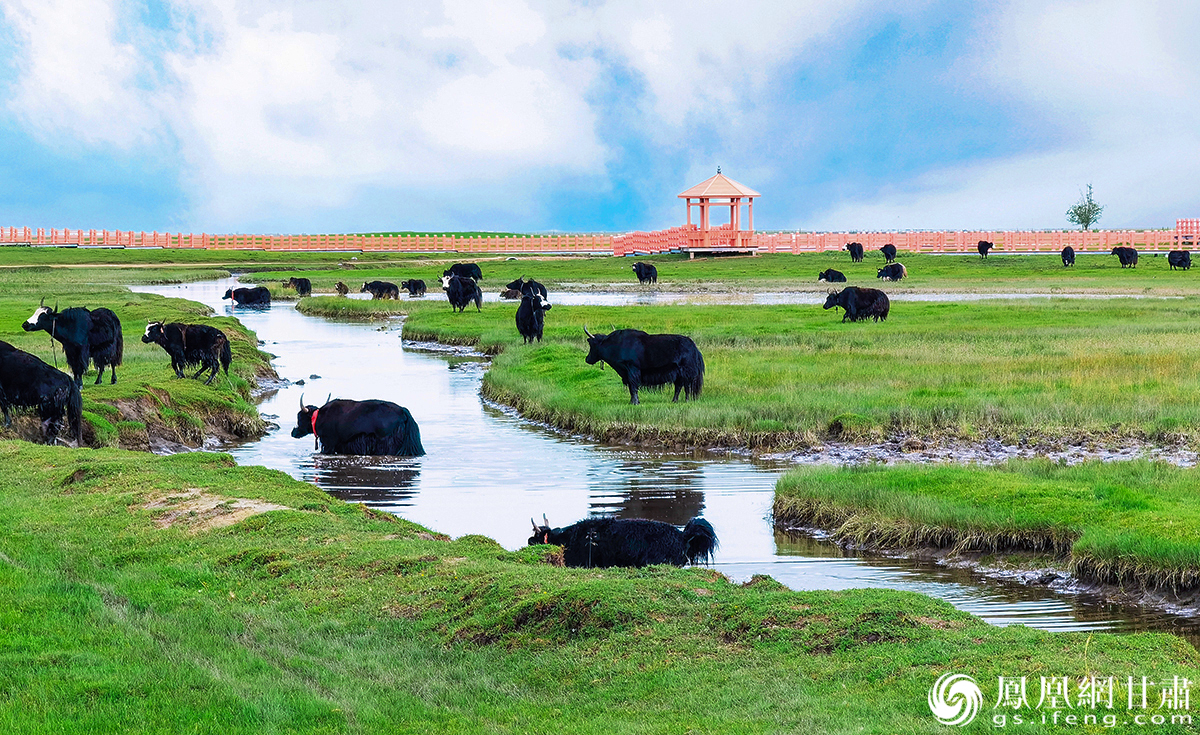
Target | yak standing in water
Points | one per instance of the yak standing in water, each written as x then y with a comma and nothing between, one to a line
28,382
86,335
360,427
256,296
628,542
649,360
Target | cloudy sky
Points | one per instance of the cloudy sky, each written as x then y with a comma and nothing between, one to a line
591,115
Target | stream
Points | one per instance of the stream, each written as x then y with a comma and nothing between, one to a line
488,471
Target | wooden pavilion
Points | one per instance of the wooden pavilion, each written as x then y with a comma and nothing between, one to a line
720,191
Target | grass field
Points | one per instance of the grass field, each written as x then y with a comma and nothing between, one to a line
1071,370
147,402
123,612
1128,523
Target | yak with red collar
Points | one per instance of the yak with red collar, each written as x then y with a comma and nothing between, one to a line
360,427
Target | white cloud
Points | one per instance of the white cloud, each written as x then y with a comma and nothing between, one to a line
75,78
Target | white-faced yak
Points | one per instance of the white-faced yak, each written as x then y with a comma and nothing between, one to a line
628,542
531,316
360,427
86,335
190,345
649,360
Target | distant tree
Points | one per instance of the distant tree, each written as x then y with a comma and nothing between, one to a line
1086,211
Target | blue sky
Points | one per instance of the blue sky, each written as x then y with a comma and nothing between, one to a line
574,115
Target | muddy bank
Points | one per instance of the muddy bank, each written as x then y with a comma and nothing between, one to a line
1034,569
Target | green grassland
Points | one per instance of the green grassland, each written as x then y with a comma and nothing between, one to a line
148,402
1128,523
1052,370
122,614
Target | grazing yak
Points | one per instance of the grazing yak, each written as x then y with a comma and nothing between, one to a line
257,296
646,273
831,276
983,247
1128,256
856,251
190,345
889,253
1068,256
628,542
522,286
510,293
360,427
86,335
893,272
462,291
341,288
860,304
414,286
1179,259
464,270
380,290
28,382
531,316
303,286
649,360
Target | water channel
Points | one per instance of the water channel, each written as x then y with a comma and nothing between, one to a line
488,471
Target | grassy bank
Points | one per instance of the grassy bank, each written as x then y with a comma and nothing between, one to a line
1126,523
126,608
1096,273
1053,371
148,405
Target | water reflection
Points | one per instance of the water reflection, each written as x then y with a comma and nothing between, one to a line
487,471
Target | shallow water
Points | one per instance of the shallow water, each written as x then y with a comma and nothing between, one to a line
488,471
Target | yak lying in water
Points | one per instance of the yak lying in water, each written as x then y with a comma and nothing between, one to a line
649,360
360,427
628,542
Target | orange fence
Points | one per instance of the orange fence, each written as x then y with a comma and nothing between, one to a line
675,239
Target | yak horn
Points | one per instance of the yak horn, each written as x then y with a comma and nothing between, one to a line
585,331
545,521
535,528
327,399
301,401
43,302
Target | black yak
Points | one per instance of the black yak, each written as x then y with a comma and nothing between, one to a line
381,289
462,291
303,286
257,296
28,382
889,253
465,270
414,286
360,427
522,286
190,345
983,247
1179,259
856,251
628,542
831,276
649,360
1127,255
531,316
646,273
1068,256
860,304
892,272
86,336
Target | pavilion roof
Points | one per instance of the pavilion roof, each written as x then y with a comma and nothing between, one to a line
719,186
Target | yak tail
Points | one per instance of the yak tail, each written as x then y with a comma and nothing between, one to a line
478,299
118,348
903,271
75,413
226,354
410,445
691,389
701,540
